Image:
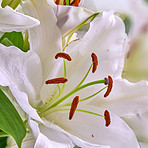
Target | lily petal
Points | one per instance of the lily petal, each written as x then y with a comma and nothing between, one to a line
79,142
45,39
67,15
139,125
22,72
135,9
126,98
45,139
15,21
91,128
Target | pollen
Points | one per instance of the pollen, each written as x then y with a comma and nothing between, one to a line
63,55
73,107
110,85
95,62
56,80
107,118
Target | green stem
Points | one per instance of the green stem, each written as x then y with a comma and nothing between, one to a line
67,2
76,90
85,76
57,108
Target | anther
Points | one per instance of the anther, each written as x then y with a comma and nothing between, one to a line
110,85
57,2
75,3
73,107
56,81
107,118
63,55
95,62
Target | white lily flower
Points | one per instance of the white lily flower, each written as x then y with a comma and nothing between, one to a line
15,21
26,73
136,10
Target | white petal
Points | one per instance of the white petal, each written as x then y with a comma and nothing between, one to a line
79,142
91,128
22,70
126,98
139,125
15,21
43,137
22,100
67,15
45,39
135,9
143,145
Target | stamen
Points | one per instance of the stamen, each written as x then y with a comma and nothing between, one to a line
95,62
56,81
63,55
73,107
107,118
110,85
57,2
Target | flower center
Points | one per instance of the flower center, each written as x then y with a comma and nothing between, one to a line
56,104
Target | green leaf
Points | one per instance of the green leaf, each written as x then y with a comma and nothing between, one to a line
16,38
127,23
3,142
6,42
10,121
12,3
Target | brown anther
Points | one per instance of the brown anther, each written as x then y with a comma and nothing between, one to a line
63,2
95,62
75,3
110,85
56,81
107,118
57,2
63,55
73,107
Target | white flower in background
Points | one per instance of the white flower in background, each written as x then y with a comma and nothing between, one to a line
26,73
10,20
136,10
